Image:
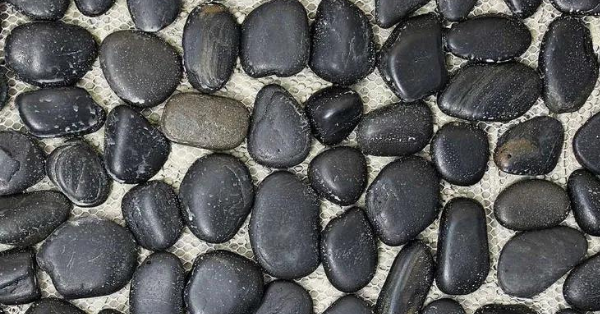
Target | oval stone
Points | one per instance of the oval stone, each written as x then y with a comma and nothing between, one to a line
349,304
94,7
390,12
53,305
505,309
491,92
36,52
582,287
443,306
216,197
41,9
523,8
22,162
153,15
211,42
403,200
577,7
18,283
586,145
455,10
285,297
584,191
285,226
532,261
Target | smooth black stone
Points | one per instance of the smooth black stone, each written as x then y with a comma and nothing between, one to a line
279,135
408,281
157,285
88,257
211,42
531,204
275,39
343,50
78,171
42,9
216,195
153,15
21,162
285,226
390,12
568,311
223,282
141,68
443,306
4,88
460,153
412,61
491,92
63,53
26,219
582,286
153,214
489,38
333,113
584,192
339,174
504,309
523,8
94,7
403,200
463,256
285,297
53,306
530,262
134,150
531,148
586,145
349,304
109,311
455,10
577,7
65,111
568,65
399,129
18,284
349,251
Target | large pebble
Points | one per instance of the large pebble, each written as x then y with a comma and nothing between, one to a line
390,12
349,304
285,226
21,162
586,144
582,287
455,10
505,309
285,297
530,262
53,306
523,8
577,7
584,191
18,283
94,7
443,306
42,9
153,15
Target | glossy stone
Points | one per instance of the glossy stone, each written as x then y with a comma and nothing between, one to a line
390,12
568,64
455,10
532,147
66,111
285,226
94,7
18,283
489,38
403,200
279,135
153,15
339,174
42,9
491,92
53,305
505,309
460,153
349,304
275,39
205,121
342,51
285,297
443,306
211,42
532,261
582,287
412,61
223,282
577,7
586,145
584,191
523,8
141,68
21,162
216,197
47,64
100,258
134,150
153,214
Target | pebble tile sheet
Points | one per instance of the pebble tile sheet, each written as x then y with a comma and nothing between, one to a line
374,94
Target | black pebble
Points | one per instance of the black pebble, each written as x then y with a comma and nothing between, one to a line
42,9
532,261
285,226
577,7
47,44
153,15
586,145
342,51
94,7
211,41
523,8
390,12
21,162
584,191
568,311
285,297
52,306
455,10
582,287
349,304
153,214
412,60
109,311
88,257
443,306
18,284
504,309
216,195
4,88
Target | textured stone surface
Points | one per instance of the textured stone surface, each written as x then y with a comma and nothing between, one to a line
21,162
582,287
584,191
586,145
523,8
42,9
285,297
153,15
18,283
577,7
455,10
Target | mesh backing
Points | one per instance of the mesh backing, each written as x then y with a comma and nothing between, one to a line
374,94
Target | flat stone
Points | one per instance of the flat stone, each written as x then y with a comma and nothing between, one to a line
390,12
100,259
94,7
205,121
523,8
21,162
577,7
134,150
531,204
530,262
586,145
141,68
18,284
47,64
349,304
568,65
491,92
582,287
339,174
343,51
216,195
505,309
412,61
279,135
403,200
275,39
531,148
153,214
153,15
53,305
223,282
443,306
211,42
349,251
285,226
455,10
285,297
584,192
41,9
399,129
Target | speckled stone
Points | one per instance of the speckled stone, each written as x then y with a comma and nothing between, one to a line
52,306
42,9
285,297
18,283
443,306
584,191
582,286
94,7
455,10
586,145
577,7
21,162
523,8
153,15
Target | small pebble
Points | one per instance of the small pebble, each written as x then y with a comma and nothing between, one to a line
586,145
94,7
443,306
582,287
42,9
52,306
285,297
584,191
18,282
390,12
153,15
349,304
21,162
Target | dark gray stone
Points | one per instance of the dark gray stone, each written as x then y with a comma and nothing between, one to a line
53,306
285,297
455,10
582,287
18,283
109,311
153,15
505,309
443,306
4,88
390,12
584,191
94,7
568,311
42,9
577,7
21,162
586,145
523,8
349,304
